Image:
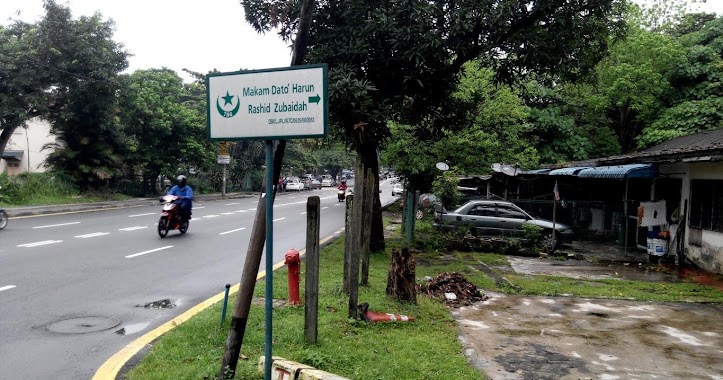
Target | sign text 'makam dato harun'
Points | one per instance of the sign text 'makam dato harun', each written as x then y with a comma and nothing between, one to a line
283,103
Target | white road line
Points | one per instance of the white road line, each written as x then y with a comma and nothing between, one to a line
228,232
211,216
56,225
324,208
252,209
303,213
151,251
227,213
146,214
7,287
276,220
86,236
233,203
255,201
132,228
241,211
198,208
39,243
292,197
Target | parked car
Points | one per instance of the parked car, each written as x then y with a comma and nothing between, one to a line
294,184
315,184
398,189
496,217
327,181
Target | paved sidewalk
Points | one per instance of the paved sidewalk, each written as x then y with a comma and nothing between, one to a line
15,212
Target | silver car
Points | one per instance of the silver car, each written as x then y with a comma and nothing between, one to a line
496,217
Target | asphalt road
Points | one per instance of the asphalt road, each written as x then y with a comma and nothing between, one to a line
103,264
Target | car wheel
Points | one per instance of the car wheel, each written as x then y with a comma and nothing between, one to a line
548,240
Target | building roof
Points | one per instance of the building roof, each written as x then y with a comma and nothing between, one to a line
15,155
701,146
620,171
568,171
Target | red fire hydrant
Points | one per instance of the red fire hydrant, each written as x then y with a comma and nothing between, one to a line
293,263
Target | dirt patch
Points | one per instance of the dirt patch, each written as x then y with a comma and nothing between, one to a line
514,337
453,289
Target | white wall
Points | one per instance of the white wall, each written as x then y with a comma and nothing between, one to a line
31,141
709,255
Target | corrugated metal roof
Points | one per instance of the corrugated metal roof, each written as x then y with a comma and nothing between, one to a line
537,171
568,171
620,171
706,143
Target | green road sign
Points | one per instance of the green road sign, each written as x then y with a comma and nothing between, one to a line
283,103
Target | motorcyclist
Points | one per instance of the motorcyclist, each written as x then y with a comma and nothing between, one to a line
342,185
185,193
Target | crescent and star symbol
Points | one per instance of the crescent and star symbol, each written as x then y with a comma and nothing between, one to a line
228,99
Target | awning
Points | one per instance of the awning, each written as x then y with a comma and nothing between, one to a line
537,171
620,171
13,155
568,171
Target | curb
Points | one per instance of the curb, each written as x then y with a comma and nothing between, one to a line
31,211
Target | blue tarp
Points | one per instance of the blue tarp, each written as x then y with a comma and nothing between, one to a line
568,171
620,171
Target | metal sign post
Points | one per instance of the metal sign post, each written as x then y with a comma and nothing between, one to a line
269,255
283,103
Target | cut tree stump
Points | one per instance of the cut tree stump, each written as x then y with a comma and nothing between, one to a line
402,276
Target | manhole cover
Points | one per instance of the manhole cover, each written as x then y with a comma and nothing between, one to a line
83,325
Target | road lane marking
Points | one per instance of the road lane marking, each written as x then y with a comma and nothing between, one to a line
276,220
56,225
241,211
146,214
303,213
227,213
39,243
233,203
7,287
228,232
324,208
252,209
198,208
211,216
132,228
292,197
86,236
150,251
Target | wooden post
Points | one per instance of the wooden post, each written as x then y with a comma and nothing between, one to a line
348,241
311,294
357,216
366,224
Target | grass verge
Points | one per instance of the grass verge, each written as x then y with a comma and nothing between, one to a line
36,189
425,349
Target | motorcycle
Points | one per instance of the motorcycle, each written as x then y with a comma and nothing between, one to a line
171,216
3,217
341,195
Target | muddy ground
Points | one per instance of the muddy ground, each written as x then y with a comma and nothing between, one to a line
512,337
522,337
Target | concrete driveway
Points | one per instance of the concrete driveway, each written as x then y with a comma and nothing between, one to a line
522,337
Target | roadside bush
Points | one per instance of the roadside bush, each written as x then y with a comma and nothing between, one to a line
28,188
533,236
445,189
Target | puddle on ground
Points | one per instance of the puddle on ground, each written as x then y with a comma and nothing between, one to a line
132,328
162,304
587,270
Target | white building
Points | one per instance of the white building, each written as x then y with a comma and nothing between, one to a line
24,152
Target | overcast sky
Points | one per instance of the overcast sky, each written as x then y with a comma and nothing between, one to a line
193,34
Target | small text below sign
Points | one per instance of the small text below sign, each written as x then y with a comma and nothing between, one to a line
281,103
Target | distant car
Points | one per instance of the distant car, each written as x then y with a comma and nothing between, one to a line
315,184
327,181
398,189
294,184
496,217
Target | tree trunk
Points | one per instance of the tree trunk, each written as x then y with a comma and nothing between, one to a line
401,276
7,132
368,152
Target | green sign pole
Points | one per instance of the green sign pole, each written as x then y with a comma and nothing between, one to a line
269,254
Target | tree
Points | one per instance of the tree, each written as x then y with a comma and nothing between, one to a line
697,101
24,80
165,135
398,60
89,146
334,158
